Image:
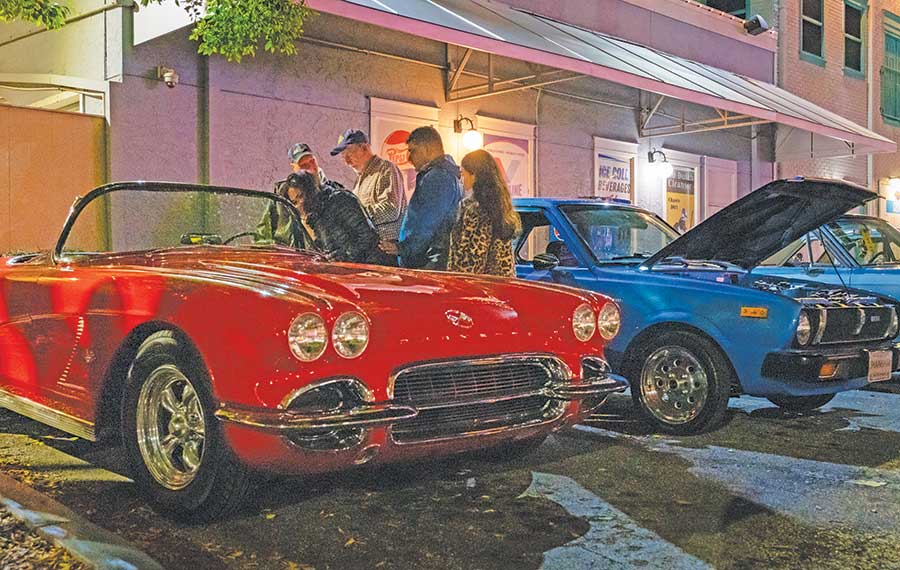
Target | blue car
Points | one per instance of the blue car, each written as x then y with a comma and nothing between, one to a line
698,323
856,251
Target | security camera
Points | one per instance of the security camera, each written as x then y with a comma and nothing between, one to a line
756,25
168,75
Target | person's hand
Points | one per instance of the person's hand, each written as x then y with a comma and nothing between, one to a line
389,247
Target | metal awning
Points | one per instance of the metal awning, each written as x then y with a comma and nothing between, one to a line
805,129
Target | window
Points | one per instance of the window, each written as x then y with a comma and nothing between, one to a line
853,44
734,7
890,70
811,30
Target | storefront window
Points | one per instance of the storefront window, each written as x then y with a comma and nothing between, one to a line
811,26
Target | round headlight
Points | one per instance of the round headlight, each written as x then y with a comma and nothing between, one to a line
308,336
350,335
804,329
894,326
584,322
608,321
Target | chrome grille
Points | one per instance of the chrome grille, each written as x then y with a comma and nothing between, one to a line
462,397
842,324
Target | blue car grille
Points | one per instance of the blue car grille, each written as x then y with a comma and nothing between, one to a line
852,324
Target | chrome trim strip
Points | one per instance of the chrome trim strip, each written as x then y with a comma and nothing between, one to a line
370,415
46,415
481,433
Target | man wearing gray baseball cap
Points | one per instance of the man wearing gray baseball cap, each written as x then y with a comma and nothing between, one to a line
379,187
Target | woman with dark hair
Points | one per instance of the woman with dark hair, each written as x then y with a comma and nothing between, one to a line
481,240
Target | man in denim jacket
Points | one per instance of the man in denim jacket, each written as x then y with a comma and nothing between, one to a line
432,210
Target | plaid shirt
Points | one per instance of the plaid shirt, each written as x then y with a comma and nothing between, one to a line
380,191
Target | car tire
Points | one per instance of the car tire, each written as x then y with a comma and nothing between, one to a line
174,445
680,382
801,403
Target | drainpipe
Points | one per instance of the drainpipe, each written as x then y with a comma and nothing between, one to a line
871,183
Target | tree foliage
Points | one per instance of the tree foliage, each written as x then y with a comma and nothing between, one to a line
230,28
45,13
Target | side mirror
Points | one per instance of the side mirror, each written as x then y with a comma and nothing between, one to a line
545,261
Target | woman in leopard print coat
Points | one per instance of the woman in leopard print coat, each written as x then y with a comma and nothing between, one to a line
481,240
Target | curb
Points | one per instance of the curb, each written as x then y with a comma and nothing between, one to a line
90,544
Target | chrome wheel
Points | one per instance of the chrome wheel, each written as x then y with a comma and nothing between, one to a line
171,430
674,385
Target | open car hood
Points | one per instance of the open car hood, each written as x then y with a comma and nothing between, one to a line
765,221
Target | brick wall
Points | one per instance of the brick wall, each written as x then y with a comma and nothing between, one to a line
885,165
825,85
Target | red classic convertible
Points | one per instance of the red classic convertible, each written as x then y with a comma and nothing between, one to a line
164,317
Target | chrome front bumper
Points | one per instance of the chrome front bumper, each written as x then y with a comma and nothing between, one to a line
596,383
363,416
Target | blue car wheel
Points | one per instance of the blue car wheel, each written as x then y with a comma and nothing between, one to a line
680,381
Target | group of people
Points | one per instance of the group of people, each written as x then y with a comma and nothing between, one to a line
459,218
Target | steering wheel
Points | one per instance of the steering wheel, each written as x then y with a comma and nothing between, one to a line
255,235
875,256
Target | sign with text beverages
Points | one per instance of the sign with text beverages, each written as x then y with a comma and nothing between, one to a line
614,177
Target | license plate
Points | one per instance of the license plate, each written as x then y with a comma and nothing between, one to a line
880,364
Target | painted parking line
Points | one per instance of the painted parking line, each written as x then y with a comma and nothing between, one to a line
818,492
877,410
614,541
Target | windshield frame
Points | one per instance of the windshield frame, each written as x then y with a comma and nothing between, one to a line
652,219
82,201
881,225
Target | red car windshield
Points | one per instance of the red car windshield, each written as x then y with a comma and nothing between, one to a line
153,216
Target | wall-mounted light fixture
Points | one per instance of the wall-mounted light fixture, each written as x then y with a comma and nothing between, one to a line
168,75
756,25
472,139
660,163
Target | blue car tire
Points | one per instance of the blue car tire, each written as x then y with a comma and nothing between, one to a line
680,381
801,403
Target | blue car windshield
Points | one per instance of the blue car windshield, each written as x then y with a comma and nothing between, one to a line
615,234
870,241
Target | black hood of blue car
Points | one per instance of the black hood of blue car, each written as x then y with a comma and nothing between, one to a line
765,221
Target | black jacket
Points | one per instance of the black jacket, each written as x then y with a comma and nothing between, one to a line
342,229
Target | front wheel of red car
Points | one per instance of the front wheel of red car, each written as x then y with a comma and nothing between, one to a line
681,382
175,448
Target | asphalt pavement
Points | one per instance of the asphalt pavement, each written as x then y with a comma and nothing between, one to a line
767,490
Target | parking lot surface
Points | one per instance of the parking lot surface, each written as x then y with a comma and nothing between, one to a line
767,490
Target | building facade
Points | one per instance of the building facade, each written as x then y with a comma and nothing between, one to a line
573,97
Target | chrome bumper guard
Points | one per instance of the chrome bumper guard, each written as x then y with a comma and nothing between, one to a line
366,415
590,389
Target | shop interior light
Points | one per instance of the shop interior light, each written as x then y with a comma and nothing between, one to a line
894,184
660,163
472,138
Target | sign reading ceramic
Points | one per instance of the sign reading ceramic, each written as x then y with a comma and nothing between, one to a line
613,177
680,198
511,154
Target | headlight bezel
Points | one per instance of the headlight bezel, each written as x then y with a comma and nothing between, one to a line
894,326
584,322
293,334
804,329
340,344
608,310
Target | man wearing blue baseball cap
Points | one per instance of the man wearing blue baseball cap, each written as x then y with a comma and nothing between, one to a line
379,187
